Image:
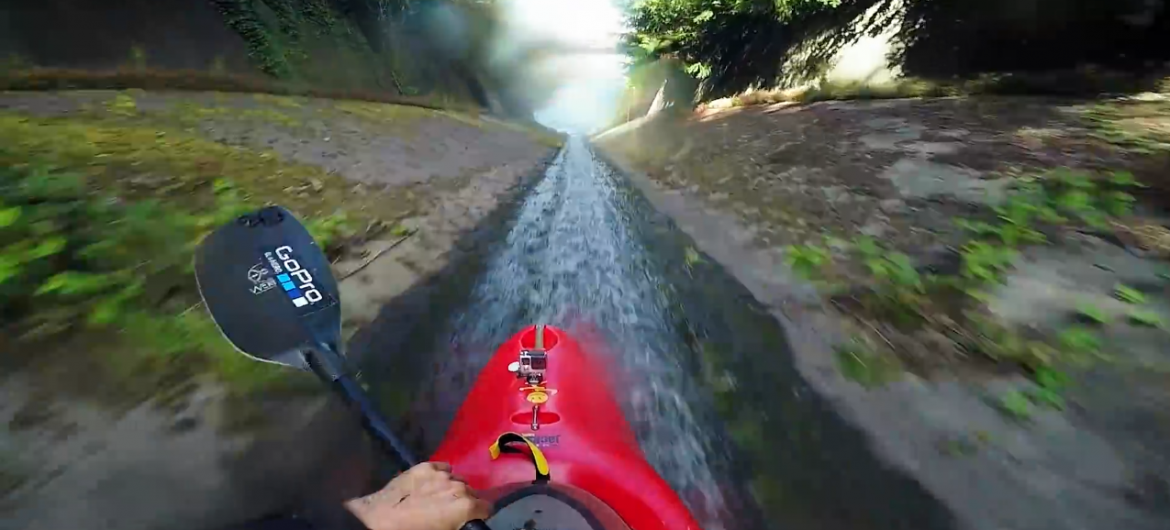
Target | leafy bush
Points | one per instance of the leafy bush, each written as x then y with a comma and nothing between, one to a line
1016,405
1145,317
1081,342
1001,344
73,261
1050,200
896,293
894,267
985,262
70,257
808,260
1092,314
1090,197
1051,383
1128,294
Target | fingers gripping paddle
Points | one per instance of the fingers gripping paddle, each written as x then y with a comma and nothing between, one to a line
269,288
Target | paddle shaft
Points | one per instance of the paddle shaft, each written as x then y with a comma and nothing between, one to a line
329,366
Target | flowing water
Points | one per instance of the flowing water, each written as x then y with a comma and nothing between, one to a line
716,404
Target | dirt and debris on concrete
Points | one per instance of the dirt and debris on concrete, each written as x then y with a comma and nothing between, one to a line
1064,436
405,182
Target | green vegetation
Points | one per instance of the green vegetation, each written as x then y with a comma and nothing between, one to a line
691,257
66,79
1001,344
870,369
312,42
101,209
1073,83
1016,405
1050,385
1080,340
946,48
1092,313
375,50
76,261
808,260
894,292
98,221
698,31
1147,318
1133,125
1128,294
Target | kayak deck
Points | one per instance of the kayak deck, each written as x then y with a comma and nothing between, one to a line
579,428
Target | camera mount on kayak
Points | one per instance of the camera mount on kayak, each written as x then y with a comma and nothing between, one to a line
533,362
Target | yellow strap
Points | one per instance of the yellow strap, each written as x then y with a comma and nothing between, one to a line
501,446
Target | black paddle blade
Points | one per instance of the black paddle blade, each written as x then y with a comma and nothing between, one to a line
269,288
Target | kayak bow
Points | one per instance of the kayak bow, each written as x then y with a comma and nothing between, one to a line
543,437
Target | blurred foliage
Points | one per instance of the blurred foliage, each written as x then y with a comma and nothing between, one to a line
1075,82
308,41
862,364
1015,404
887,290
690,29
445,52
441,48
1129,295
70,79
1135,126
241,16
1092,314
98,222
74,262
70,256
736,45
729,45
809,260
1145,317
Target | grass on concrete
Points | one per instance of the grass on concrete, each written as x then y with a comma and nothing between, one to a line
98,222
52,79
1076,83
892,300
45,79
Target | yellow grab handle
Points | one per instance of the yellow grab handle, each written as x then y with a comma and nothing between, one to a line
538,459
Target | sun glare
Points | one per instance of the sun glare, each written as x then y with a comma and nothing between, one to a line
590,72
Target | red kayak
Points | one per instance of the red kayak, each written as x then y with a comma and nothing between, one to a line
542,437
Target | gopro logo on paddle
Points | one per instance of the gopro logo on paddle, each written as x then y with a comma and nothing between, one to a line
293,273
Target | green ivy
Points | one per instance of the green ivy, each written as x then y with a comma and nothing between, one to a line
240,15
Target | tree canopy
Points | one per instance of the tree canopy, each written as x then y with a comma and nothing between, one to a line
701,32
732,45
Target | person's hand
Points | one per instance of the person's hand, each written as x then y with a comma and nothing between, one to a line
425,497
